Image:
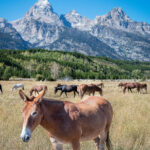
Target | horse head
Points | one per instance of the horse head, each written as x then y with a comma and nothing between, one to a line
32,114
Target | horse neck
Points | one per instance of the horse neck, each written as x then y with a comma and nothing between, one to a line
50,109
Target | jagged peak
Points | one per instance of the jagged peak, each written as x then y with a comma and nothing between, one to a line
117,12
74,13
41,7
43,2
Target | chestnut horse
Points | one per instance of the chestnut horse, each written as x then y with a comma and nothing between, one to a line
67,122
131,86
89,88
1,88
37,89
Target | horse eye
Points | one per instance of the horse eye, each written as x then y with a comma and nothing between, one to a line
34,114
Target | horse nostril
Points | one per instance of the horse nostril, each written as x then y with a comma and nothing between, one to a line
27,138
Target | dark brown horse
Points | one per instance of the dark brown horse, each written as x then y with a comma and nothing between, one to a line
89,88
66,88
37,89
67,122
101,85
1,88
142,86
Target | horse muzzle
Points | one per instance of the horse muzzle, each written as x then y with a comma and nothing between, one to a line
25,135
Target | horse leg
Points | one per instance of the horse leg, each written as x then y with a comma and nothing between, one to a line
129,89
61,93
76,145
56,145
66,94
77,92
74,93
97,142
83,94
105,138
138,89
124,90
93,93
89,93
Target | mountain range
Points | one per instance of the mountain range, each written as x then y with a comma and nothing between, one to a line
114,35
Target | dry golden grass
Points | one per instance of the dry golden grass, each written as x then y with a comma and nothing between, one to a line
130,129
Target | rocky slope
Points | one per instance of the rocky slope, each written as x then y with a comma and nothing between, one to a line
10,38
113,35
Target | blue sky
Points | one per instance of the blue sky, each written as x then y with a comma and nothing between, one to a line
138,10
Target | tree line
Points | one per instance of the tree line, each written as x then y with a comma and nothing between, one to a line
53,65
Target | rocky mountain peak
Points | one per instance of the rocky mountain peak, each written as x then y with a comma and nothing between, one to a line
117,14
78,21
116,18
41,8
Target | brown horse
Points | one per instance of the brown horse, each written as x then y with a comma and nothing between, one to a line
121,84
142,86
37,89
131,86
101,85
67,122
89,88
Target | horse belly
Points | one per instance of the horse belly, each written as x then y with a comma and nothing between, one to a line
90,135
91,130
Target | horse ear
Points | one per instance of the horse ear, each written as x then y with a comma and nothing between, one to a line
24,97
38,99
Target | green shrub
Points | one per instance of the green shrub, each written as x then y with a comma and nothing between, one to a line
39,77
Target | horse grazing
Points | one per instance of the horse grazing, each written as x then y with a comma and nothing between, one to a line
67,122
142,86
89,88
1,88
121,84
131,86
66,89
37,89
101,85
16,86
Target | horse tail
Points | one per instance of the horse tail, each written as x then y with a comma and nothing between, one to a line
1,89
108,142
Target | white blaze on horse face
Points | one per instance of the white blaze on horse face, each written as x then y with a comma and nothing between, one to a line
25,134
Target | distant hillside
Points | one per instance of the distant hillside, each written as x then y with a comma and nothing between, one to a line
52,65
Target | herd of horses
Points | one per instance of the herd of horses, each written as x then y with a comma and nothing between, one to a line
134,85
68,122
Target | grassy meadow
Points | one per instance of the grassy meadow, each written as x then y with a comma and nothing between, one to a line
130,128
